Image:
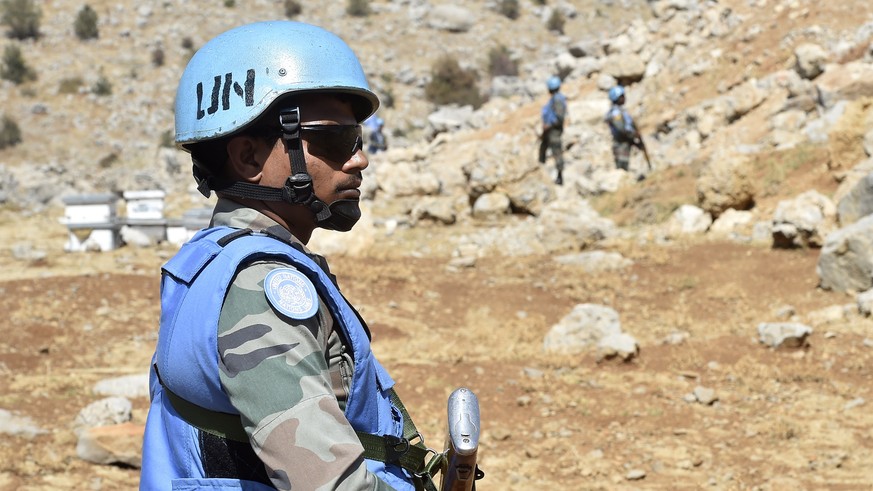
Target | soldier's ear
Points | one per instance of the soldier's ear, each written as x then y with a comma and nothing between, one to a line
242,159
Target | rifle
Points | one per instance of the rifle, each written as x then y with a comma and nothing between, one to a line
460,472
638,141
642,146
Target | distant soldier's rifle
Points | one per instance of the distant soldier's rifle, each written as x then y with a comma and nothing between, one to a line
639,143
460,471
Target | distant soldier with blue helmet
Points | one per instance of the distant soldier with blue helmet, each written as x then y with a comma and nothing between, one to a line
554,117
376,141
262,376
623,129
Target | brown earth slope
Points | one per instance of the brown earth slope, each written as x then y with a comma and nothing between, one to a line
783,420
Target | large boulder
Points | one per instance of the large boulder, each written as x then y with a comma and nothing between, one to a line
582,328
851,81
810,60
858,203
803,221
688,220
451,18
726,183
571,224
846,260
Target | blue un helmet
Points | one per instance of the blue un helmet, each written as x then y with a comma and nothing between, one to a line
615,93
240,74
553,83
237,75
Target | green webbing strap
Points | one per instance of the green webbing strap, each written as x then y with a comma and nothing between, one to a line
225,425
387,448
410,456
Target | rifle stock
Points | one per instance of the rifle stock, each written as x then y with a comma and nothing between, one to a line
459,473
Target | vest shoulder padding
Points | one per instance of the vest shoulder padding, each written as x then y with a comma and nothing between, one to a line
191,259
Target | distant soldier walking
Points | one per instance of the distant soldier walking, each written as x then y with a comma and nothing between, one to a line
554,115
376,141
623,129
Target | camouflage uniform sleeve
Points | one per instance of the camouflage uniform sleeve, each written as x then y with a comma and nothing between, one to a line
276,372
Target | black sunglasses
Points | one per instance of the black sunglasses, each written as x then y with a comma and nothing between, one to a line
335,142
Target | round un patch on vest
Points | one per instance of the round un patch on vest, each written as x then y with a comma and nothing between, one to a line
290,292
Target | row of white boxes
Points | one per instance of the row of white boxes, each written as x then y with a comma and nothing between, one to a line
94,224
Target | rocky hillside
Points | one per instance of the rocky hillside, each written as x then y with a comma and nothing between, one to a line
756,92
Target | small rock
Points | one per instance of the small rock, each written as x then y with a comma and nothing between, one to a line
105,412
13,424
117,444
127,386
783,334
635,475
705,395
859,401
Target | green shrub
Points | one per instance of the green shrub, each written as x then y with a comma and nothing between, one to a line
386,97
158,57
187,43
21,17
556,22
500,62
451,84
14,68
168,139
10,133
509,9
70,85
358,8
102,86
85,26
293,8
230,3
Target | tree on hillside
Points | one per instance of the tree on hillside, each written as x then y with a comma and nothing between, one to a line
292,8
85,26
21,17
509,8
556,22
358,8
451,84
13,66
10,134
500,62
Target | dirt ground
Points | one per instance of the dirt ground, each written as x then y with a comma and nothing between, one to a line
790,419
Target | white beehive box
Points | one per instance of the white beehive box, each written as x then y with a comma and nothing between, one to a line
92,222
145,214
145,205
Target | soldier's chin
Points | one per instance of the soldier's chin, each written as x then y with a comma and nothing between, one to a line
344,214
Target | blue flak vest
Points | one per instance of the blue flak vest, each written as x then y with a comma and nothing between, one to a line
620,123
193,287
550,117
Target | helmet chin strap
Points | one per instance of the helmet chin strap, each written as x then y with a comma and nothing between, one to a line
340,215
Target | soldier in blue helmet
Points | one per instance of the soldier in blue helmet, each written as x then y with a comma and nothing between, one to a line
624,131
376,140
263,377
554,117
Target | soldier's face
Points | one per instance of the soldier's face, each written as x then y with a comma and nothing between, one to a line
332,148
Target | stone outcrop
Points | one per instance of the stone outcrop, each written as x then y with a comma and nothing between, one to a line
846,260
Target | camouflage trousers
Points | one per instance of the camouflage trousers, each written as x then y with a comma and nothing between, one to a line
621,152
551,142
